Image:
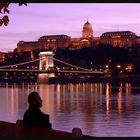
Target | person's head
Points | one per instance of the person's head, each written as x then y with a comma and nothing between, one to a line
35,100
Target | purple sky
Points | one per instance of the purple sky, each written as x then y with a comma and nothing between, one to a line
28,23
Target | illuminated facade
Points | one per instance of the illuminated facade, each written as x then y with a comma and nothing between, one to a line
75,44
87,34
119,38
52,42
86,39
2,56
87,31
136,41
27,46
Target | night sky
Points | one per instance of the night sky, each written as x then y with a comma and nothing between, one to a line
29,23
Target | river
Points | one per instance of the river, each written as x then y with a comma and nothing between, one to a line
99,109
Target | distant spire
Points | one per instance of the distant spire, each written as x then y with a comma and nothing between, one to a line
87,19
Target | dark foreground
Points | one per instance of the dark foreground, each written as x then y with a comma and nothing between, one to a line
16,130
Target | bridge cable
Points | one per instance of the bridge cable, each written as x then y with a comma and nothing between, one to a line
40,59
72,65
20,64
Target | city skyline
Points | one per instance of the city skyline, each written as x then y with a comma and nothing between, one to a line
30,22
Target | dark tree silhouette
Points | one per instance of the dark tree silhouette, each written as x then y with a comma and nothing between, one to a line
4,20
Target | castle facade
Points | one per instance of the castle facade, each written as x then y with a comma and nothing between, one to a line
87,39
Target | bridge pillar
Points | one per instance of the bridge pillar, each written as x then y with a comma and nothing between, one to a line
46,63
46,60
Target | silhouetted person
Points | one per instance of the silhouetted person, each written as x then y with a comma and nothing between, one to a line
34,117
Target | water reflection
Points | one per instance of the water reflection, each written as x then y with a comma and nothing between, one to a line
108,92
120,94
98,109
120,99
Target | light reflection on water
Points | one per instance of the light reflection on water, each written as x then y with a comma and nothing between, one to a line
98,109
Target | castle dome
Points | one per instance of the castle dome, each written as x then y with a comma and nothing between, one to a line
87,25
87,30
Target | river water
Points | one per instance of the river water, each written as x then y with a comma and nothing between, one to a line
99,109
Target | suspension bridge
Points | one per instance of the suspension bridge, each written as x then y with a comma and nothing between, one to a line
80,70
44,68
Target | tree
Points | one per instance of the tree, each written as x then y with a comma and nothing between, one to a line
4,10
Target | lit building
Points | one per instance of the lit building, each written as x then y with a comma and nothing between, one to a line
118,38
87,31
87,34
2,56
136,41
52,42
27,46
75,44
86,39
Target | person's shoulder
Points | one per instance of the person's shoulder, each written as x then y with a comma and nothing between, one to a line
44,114
26,111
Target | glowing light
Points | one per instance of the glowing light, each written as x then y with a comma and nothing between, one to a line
118,66
107,66
47,53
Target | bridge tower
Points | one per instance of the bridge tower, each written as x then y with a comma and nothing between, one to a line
46,63
46,60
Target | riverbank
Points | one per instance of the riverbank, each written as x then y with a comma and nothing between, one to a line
77,79
16,130
95,79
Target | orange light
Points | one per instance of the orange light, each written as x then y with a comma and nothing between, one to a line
118,66
107,66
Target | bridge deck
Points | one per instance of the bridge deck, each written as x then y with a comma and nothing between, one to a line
51,71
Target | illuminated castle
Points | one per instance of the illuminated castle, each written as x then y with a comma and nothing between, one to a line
87,30
52,42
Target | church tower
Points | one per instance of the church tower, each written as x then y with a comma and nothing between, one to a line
87,31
